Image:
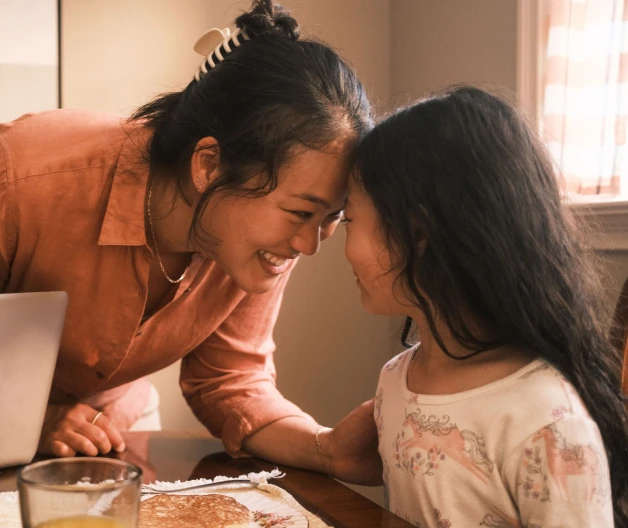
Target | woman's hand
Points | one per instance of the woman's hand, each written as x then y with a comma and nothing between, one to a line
68,430
350,448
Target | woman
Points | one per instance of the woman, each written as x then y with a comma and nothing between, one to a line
174,234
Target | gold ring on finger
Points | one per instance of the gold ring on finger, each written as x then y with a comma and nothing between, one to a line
98,415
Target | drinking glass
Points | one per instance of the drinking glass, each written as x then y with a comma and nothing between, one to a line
85,492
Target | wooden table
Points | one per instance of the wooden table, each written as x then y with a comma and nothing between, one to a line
177,455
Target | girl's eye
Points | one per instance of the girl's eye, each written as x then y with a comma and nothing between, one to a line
345,220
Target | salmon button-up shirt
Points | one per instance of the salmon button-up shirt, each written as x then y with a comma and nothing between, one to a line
72,218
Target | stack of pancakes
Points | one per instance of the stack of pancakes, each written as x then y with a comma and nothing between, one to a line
198,511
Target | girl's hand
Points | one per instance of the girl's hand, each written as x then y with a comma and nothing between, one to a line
350,449
68,430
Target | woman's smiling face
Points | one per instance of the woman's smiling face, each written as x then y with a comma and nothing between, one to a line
257,239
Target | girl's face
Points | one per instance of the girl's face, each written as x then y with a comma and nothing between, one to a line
369,256
257,239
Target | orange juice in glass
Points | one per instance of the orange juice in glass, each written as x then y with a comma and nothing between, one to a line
84,492
83,521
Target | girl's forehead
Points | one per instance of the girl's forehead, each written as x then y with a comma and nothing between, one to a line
355,189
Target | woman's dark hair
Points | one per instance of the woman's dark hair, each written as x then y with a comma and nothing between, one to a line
272,93
464,172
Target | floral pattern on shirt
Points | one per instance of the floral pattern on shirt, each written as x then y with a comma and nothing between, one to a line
497,519
535,484
442,523
394,363
425,442
558,413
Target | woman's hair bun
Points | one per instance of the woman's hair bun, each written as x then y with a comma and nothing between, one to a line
267,19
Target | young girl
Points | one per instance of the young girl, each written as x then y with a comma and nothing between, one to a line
507,413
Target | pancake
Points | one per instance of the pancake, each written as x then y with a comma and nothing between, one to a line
199,511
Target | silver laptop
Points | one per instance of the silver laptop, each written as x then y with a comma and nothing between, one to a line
30,333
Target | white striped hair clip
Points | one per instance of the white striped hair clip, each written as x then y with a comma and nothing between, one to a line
214,45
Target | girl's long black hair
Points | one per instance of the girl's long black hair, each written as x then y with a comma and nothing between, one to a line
465,172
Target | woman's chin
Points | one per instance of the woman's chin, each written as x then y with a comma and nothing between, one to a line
256,285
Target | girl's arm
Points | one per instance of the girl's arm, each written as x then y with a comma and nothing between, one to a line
559,476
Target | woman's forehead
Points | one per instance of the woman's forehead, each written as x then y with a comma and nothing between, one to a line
317,176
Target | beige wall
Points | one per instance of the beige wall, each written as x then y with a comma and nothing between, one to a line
616,267
438,42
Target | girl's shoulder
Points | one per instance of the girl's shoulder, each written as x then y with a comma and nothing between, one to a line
541,399
399,363
543,386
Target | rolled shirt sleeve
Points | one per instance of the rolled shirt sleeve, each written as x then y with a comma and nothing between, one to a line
229,380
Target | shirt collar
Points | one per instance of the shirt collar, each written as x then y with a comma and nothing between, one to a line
124,221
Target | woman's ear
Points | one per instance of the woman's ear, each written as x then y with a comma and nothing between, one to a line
205,163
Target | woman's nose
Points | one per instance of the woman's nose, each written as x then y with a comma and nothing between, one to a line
328,230
307,241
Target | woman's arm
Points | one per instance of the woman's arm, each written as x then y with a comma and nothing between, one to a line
347,452
229,383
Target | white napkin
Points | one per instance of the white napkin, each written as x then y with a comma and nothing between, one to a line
10,510
256,478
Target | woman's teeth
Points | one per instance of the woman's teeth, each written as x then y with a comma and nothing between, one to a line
273,259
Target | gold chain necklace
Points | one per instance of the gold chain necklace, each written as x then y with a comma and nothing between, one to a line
152,230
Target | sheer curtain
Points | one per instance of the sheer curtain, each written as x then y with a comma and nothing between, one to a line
586,94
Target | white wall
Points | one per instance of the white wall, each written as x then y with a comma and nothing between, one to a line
28,57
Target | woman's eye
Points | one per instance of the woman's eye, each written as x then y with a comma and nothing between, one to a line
334,217
345,220
302,215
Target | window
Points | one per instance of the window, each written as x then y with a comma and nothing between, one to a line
573,80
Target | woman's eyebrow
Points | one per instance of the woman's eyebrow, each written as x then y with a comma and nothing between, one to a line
312,198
